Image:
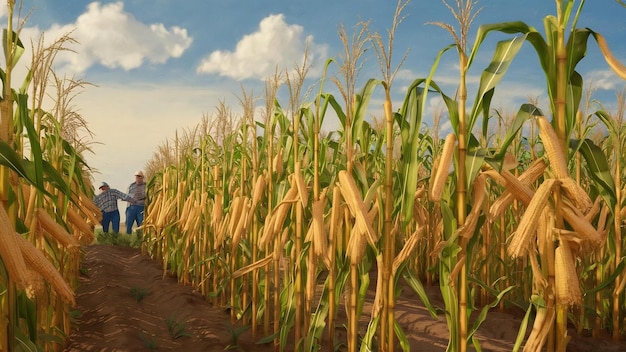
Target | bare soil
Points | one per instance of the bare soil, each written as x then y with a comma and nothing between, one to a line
126,303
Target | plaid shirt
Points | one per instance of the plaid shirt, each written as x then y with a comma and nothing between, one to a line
107,200
138,193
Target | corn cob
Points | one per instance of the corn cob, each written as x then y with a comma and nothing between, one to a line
583,227
357,207
11,256
441,173
301,185
283,208
257,192
54,229
553,149
566,279
357,244
239,230
576,194
85,230
528,177
319,241
36,259
528,224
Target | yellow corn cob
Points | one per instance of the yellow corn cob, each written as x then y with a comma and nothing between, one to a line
9,252
217,213
85,230
576,194
566,279
36,259
528,177
241,224
259,188
268,231
54,229
90,209
528,224
283,208
580,224
595,208
302,190
278,162
552,147
236,207
521,191
320,241
357,244
355,203
438,181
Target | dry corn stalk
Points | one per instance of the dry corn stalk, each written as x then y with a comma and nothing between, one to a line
253,266
441,172
544,319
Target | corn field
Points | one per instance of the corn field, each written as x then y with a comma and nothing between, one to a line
288,225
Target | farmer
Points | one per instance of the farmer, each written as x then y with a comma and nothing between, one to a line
134,211
107,202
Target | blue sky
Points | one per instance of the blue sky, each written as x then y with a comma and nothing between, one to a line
159,66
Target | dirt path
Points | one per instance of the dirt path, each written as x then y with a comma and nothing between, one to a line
128,305
116,318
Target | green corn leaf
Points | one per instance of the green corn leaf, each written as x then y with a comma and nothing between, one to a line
404,342
609,280
18,47
599,169
504,53
418,288
526,111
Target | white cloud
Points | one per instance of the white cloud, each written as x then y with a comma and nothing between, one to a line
604,79
109,36
276,45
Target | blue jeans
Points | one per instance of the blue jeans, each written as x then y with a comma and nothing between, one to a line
134,213
112,217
